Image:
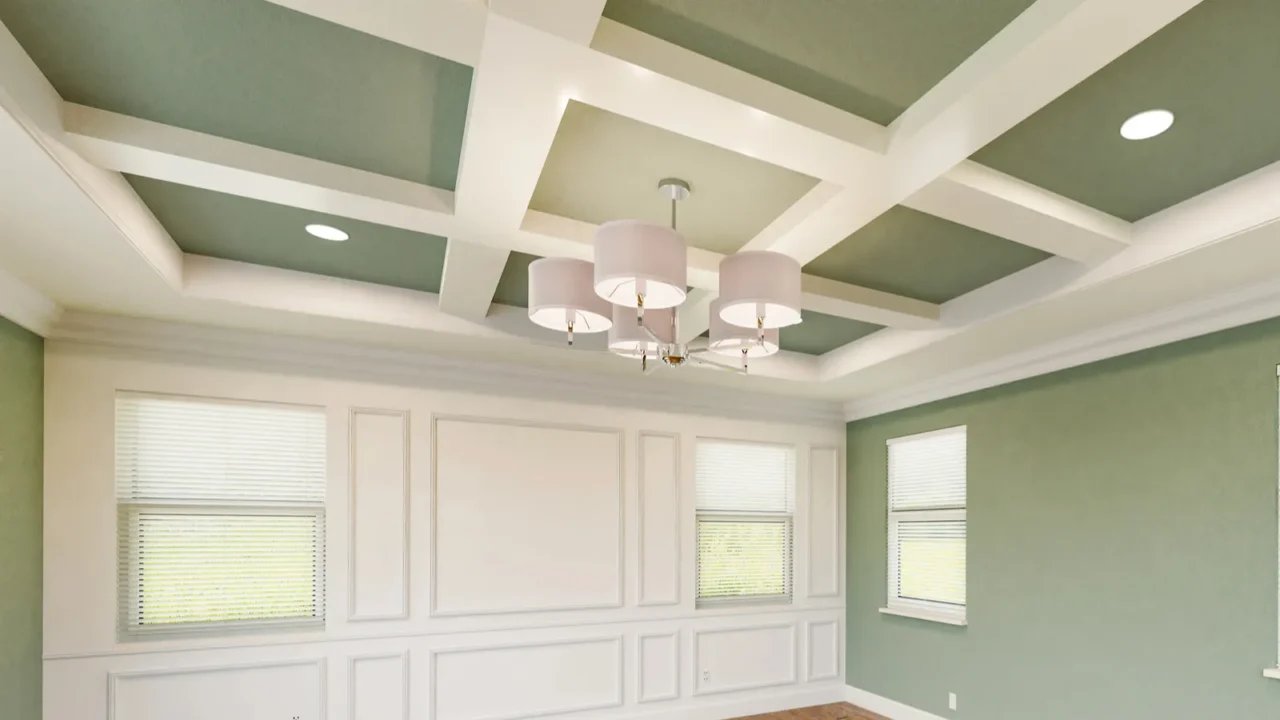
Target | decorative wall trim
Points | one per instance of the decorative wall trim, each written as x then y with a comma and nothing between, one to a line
1228,310
809,644
758,704
641,697
640,510
405,683
353,498
620,600
256,351
891,709
837,556
435,653
792,676
26,306
320,664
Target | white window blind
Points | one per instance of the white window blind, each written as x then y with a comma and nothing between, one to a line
745,500
928,523
221,514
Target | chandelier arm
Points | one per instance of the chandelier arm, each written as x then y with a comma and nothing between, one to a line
718,366
653,336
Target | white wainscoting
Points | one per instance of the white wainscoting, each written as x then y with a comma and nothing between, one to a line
744,658
526,681
487,558
378,576
657,666
528,517
259,691
823,659
378,687
826,539
659,519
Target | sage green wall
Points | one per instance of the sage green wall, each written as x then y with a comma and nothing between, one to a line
21,483
1122,543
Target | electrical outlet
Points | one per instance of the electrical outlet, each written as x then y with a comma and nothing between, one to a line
706,676
951,700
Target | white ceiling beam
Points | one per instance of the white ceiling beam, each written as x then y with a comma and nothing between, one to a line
471,274
1033,60
450,29
984,199
31,102
26,306
573,20
694,314
501,159
297,292
140,147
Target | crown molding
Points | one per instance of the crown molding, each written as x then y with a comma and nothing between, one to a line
127,337
27,306
1220,312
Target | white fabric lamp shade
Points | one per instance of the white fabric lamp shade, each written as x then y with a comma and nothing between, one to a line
760,288
729,339
630,340
561,294
639,258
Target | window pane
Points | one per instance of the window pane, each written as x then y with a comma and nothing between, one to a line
207,568
931,561
741,558
928,471
737,477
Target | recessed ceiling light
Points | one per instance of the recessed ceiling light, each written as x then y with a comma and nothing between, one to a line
325,232
1146,124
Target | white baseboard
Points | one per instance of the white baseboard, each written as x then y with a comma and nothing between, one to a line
891,709
738,708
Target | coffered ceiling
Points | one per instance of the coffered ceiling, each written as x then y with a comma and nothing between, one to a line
950,176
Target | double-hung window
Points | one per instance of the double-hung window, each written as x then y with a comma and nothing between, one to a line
928,525
745,500
221,514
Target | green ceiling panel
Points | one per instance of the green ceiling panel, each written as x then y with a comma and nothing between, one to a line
873,58
820,333
203,222
603,166
918,255
256,72
1215,68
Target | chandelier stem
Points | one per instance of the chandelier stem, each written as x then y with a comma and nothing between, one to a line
744,359
570,334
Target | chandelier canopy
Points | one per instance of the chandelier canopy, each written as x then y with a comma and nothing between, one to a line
639,279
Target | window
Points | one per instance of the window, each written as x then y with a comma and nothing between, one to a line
221,514
744,505
927,525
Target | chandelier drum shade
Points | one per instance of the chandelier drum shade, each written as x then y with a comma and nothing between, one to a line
727,339
561,297
639,278
760,290
639,264
630,338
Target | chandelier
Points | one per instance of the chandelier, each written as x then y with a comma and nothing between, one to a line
634,289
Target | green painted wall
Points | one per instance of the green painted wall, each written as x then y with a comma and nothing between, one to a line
1122,543
21,487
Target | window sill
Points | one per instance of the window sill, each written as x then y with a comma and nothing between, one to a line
931,615
1273,673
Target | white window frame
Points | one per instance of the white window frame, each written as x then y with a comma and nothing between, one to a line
787,519
912,607
1274,672
129,588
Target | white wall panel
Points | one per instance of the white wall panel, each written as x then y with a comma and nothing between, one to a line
825,539
379,550
657,666
659,519
378,687
742,658
527,517
824,650
243,692
504,683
